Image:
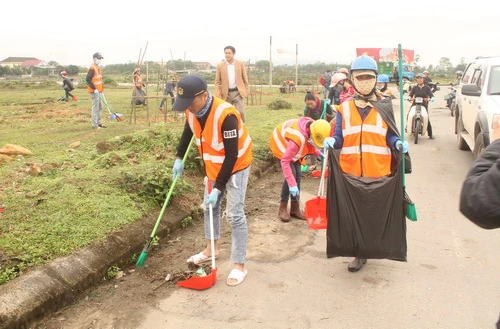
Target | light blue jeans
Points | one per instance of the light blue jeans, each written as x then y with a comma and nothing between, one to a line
96,110
236,189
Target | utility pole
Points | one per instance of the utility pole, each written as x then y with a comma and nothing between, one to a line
270,61
296,64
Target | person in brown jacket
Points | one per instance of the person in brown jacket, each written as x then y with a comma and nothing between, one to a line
231,81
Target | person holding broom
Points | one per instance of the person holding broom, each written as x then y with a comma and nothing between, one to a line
226,149
94,88
363,131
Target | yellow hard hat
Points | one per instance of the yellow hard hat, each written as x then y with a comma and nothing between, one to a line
320,129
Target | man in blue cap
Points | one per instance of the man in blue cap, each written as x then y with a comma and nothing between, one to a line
226,149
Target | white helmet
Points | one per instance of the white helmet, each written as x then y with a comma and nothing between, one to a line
336,78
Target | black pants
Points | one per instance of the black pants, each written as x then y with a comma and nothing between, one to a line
171,94
285,191
68,94
429,126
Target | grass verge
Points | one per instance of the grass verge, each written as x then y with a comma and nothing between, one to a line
80,184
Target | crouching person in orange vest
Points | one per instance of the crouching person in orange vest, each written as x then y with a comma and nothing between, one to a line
226,149
290,142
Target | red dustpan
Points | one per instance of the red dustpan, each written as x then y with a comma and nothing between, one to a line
317,173
315,209
204,282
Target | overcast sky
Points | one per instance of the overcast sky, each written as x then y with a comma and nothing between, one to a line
69,32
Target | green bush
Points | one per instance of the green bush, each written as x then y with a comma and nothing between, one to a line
279,104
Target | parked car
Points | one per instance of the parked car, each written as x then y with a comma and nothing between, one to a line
478,98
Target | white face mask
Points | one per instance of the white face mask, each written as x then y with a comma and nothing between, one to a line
97,61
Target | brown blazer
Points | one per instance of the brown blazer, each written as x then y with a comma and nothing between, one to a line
222,81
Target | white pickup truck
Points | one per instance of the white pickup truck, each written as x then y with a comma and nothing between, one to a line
478,98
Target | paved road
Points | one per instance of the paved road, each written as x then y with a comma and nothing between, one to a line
451,279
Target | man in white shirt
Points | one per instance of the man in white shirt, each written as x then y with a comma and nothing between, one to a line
231,81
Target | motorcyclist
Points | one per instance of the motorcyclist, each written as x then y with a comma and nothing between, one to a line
427,79
452,94
382,81
458,75
424,91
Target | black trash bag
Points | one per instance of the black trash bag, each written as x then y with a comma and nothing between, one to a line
366,216
140,93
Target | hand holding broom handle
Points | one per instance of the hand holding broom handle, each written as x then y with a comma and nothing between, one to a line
142,258
210,211
323,170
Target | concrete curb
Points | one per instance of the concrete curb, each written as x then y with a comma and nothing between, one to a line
56,284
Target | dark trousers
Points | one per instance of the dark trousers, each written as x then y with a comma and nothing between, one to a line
285,192
68,94
429,126
171,94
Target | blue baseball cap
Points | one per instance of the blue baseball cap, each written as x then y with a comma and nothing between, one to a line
188,88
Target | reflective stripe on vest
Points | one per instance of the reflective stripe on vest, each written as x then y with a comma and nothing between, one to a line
364,151
289,130
210,141
96,79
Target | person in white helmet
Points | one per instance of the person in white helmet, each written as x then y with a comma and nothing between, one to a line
427,78
336,87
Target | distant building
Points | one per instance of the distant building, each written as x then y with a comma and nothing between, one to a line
29,63
203,66
17,61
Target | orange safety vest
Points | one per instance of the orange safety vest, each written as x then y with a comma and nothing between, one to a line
286,131
365,151
137,81
209,140
96,79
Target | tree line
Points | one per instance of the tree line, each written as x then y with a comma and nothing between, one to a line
308,74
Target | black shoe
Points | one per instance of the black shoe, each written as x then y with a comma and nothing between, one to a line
356,264
431,137
101,126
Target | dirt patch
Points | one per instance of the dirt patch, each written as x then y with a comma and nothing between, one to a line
118,303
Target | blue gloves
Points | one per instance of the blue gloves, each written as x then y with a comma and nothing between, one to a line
432,99
400,144
294,191
211,199
329,142
177,169
96,91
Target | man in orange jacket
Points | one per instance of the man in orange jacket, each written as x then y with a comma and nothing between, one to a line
226,149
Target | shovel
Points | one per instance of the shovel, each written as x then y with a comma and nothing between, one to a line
204,282
410,210
315,209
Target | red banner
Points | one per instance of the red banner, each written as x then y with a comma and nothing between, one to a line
387,54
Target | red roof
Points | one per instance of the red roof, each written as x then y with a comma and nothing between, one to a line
31,62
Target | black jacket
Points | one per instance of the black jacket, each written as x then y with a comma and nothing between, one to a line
480,195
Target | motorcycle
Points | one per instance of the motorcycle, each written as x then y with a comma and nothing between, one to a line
418,119
451,100
434,86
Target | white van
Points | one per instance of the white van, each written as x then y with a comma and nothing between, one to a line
478,98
